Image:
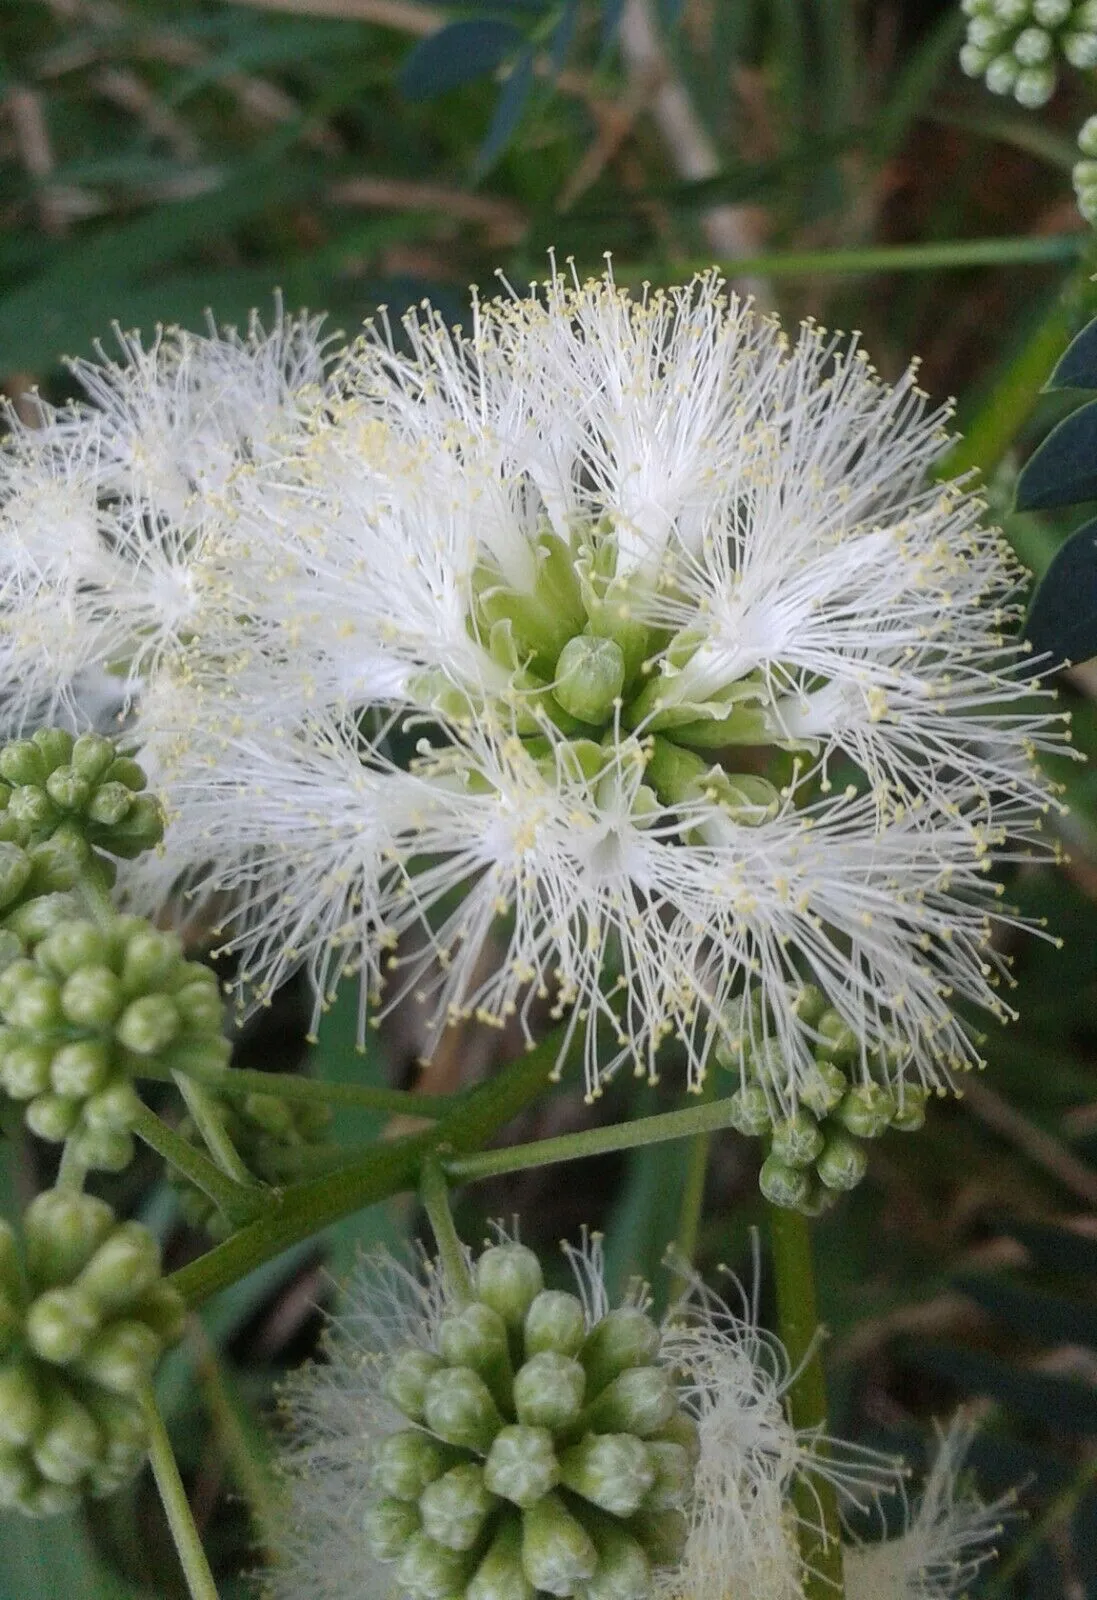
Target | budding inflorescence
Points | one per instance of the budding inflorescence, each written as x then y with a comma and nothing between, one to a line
84,1318
1014,44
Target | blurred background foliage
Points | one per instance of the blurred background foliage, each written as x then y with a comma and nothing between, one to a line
158,157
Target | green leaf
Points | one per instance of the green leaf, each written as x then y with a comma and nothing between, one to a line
1064,468
1078,367
1062,619
54,1560
457,54
508,113
1033,1312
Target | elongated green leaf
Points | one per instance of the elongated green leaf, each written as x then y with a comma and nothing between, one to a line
1078,367
1031,1311
1064,468
1062,619
457,54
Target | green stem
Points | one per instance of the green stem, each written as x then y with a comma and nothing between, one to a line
239,1203
689,1212
1055,1515
304,1208
815,1501
591,1142
93,891
192,1557
238,1082
206,1117
1020,250
73,1170
434,1194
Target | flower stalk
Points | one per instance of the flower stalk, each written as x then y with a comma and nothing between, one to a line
806,1398
434,1194
188,1543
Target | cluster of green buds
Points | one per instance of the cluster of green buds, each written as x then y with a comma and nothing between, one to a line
84,1318
1013,44
819,1150
62,801
544,1455
88,1009
265,1131
1084,175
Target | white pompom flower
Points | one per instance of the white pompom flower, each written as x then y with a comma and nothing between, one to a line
623,631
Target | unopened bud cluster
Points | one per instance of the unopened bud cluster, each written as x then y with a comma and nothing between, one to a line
84,1318
265,1131
1084,175
89,1009
819,1149
1013,44
544,1455
62,800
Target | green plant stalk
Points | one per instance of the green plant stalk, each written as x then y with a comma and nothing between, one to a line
252,1473
72,1170
93,891
1019,250
192,1557
238,1202
591,1142
434,1194
204,1112
693,1195
238,1082
816,1502
1057,1512
385,1169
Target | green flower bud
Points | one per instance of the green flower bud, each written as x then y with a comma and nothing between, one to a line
17,1478
500,1575
428,1571
458,1407
141,830
661,1535
124,1425
910,1113
62,1231
59,861
163,1308
20,1404
455,1506
72,945
549,1391
508,1278
842,1163
749,1112
673,1470
25,1070
823,1087
476,1337
122,1268
683,1431
557,1552
38,917
150,959
149,1024
521,1465
623,1338
50,1500
122,1357
103,1149
407,1378
639,1401
115,1107
68,789
555,1321
623,1571
80,1069
53,1116
612,1470
56,745
21,763
406,1462
590,675
110,805
91,756
61,1323
866,1110
199,1004
837,1040
92,997
783,1185
71,1441
797,1140
274,1116
123,770
32,1001
15,870
389,1525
